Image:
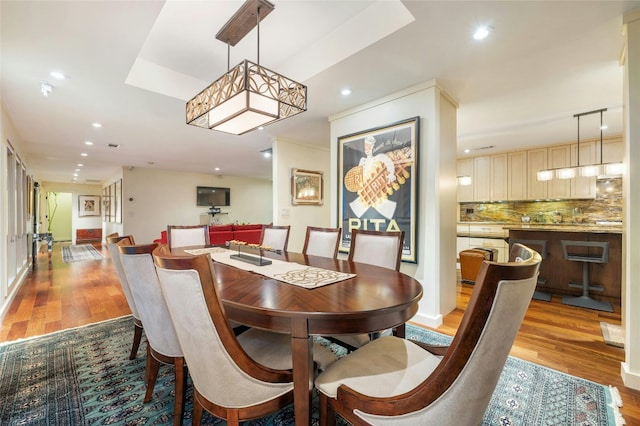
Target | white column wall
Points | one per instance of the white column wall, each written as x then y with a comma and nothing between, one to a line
630,368
436,234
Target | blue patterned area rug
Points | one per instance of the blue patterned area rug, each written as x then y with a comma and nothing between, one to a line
83,376
80,252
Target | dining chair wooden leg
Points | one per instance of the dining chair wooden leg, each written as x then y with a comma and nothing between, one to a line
197,409
151,374
137,337
327,414
400,331
181,389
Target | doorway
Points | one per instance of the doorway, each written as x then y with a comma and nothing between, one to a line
58,206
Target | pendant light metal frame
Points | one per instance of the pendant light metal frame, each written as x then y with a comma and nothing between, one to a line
248,95
589,170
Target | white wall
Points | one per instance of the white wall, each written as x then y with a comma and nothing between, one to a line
153,199
435,268
8,287
287,156
630,369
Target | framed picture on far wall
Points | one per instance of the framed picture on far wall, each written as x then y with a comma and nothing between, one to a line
306,187
377,182
88,205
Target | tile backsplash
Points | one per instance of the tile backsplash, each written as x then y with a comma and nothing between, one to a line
607,206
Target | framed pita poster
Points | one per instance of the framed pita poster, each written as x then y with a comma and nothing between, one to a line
377,178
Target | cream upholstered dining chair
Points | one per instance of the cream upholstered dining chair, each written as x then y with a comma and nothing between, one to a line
378,248
162,342
187,235
235,378
276,237
321,241
402,382
112,240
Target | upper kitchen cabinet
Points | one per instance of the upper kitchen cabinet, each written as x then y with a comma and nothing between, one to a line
490,178
613,150
559,157
517,175
583,186
499,177
464,167
536,161
482,178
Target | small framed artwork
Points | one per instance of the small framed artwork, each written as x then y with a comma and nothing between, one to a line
306,187
88,205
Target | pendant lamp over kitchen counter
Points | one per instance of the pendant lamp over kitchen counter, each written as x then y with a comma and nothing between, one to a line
588,170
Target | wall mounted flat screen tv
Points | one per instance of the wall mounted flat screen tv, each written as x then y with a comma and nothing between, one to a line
208,196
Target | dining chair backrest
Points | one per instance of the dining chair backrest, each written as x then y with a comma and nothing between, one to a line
187,235
220,369
377,248
433,387
275,237
321,241
112,245
138,266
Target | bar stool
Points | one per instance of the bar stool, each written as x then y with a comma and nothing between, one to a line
599,254
541,247
470,261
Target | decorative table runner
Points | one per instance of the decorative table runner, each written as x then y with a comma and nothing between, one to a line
288,272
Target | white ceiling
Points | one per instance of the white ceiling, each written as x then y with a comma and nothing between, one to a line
132,65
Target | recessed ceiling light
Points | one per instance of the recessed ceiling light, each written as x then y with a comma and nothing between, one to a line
266,153
466,151
217,169
75,175
76,170
604,127
261,128
97,125
84,154
58,75
45,88
80,165
345,92
482,32
88,143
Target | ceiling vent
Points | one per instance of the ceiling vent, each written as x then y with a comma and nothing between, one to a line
93,180
113,145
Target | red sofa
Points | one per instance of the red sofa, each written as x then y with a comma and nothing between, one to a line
220,234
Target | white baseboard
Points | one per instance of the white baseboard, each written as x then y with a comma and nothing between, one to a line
427,321
631,380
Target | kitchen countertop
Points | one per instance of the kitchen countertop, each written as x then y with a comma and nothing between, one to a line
565,227
500,229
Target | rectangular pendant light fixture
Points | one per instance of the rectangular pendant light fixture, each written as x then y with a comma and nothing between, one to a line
248,95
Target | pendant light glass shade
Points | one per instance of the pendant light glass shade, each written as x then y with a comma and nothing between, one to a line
544,175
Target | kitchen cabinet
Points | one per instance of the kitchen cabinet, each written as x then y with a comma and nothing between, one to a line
612,150
499,177
536,161
489,178
464,167
517,175
559,157
482,178
488,236
583,186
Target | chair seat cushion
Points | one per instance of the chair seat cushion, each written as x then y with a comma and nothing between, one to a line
387,366
274,349
354,340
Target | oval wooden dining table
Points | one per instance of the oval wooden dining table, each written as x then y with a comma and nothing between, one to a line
375,299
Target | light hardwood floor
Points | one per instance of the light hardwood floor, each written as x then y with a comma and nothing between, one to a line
57,295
